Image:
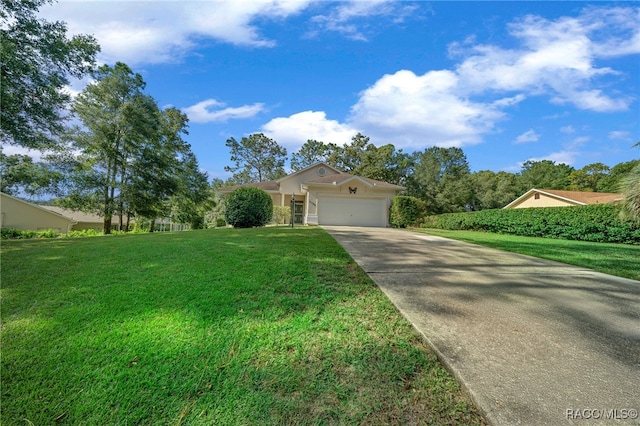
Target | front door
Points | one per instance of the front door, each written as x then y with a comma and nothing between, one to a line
298,212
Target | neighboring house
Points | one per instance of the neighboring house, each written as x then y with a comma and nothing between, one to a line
83,220
324,195
19,214
557,198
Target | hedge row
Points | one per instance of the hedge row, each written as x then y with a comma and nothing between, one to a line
595,223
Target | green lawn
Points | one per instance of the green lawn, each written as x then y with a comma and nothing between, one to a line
252,326
622,260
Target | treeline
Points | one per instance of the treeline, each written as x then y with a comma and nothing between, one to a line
125,156
441,177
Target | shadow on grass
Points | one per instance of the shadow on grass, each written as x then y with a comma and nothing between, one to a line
228,326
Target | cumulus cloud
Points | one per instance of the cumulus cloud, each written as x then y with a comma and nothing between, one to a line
140,32
556,58
528,136
211,110
412,111
293,131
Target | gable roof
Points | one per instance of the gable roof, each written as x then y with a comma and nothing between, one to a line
343,178
318,164
43,208
581,198
77,215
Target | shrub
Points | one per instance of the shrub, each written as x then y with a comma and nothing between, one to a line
18,234
406,211
248,207
595,223
281,214
220,222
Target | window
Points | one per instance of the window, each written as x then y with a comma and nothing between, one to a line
536,196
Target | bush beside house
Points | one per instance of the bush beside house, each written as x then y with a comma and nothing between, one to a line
247,207
595,223
406,211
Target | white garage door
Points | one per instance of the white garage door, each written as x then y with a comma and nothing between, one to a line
352,211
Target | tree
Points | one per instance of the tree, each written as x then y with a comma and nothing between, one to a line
611,182
248,207
588,178
36,62
631,191
441,179
544,174
493,190
19,173
256,158
119,119
310,153
349,157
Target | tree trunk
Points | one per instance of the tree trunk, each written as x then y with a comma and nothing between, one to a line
152,225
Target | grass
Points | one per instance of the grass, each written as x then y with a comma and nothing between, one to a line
253,326
614,259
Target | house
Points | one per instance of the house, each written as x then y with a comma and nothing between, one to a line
83,220
558,198
19,214
324,195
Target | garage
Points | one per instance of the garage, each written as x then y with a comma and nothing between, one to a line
352,211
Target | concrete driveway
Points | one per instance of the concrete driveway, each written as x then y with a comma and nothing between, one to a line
534,342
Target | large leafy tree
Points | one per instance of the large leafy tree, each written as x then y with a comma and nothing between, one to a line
119,121
588,178
310,153
493,190
256,158
544,174
612,181
20,174
36,61
442,180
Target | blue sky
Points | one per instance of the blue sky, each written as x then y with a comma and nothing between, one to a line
505,81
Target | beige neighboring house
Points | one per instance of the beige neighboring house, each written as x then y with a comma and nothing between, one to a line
19,214
83,220
324,195
557,198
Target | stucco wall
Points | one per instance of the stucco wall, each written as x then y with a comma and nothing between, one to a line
18,214
543,201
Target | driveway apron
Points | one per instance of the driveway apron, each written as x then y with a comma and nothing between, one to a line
533,342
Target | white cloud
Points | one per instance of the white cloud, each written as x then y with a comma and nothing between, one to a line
414,111
202,112
556,58
341,18
622,135
560,157
293,131
139,32
568,130
528,136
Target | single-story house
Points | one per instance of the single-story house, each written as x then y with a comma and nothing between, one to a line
19,214
83,220
324,195
558,198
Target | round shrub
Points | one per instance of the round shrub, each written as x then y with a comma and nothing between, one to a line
247,207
